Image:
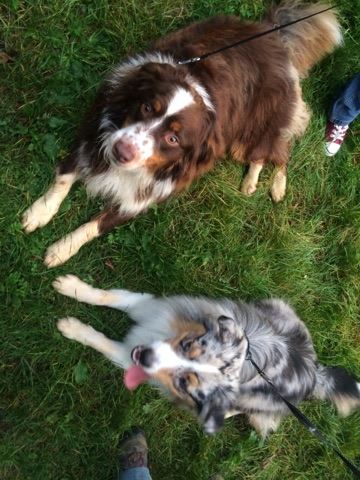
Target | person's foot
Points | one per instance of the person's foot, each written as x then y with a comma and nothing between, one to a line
134,450
334,137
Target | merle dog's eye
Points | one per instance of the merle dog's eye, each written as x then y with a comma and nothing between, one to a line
146,108
186,344
183,383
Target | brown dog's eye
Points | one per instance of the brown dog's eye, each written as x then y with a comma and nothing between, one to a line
146,108
171,139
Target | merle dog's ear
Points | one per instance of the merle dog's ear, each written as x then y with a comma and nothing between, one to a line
212,417
227,329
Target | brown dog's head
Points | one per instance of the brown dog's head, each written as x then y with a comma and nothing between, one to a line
156,117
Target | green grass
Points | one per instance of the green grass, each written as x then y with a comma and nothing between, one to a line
63,408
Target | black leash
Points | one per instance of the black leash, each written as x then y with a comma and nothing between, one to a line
313,429
258,35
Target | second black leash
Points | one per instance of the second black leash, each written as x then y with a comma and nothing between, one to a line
311,427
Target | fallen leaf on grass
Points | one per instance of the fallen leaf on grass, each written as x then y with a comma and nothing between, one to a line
109,264
5,58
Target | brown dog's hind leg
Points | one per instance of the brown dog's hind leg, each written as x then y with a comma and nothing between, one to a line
278,187
250,181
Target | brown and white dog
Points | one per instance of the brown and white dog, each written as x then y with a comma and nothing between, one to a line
195,349
156,125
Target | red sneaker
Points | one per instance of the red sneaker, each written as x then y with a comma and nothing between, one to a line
334,137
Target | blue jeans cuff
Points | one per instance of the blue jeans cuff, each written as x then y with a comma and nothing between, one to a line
339,122
137,473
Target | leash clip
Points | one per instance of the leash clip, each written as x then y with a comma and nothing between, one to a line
189,60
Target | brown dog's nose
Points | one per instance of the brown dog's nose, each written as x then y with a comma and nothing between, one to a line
124,151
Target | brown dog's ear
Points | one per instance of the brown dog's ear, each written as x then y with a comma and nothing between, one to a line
227,329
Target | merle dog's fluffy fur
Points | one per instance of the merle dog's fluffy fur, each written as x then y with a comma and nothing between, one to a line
205,365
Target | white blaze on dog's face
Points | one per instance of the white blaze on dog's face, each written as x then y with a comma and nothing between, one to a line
200,366
134,145
155,117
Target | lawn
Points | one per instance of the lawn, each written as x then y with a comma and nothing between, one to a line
63,408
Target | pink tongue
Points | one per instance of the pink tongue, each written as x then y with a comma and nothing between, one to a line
134,376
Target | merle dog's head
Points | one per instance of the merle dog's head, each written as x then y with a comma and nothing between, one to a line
155,116
200,367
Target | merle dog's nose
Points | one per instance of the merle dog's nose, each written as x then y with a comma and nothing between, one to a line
124,151
146,357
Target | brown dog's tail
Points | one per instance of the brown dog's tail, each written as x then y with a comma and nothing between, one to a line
309,40
338,386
